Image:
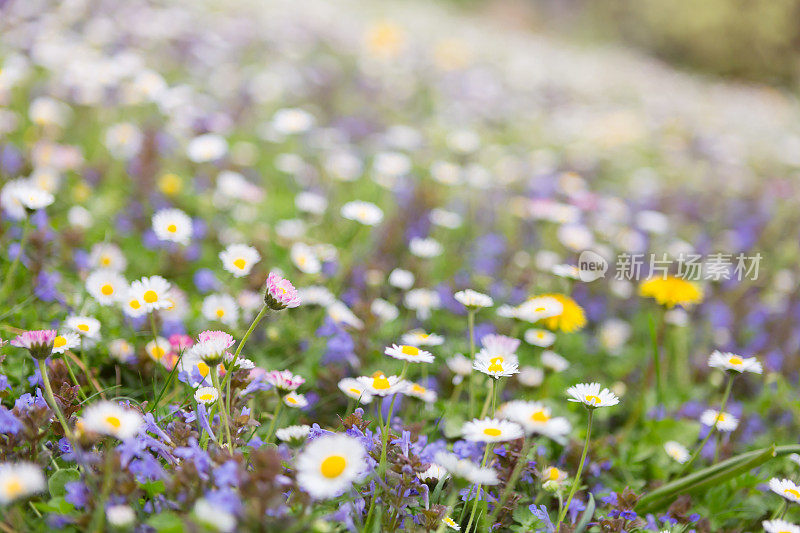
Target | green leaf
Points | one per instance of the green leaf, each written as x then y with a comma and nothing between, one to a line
710,476
60,478
587,515
55,505
166,523
152,488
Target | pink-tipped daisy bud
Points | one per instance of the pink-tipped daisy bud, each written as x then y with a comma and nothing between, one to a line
280,293
38,342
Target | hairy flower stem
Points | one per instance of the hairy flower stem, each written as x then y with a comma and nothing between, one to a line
52,400
12,270
576,482
471,329
221,406
713,428
522,461
477,492
227,382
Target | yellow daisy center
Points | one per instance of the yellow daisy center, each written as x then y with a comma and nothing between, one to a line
13,487
355,391
735,360
380,382
134,304
150,296
418,389
207,397
239,263
59,342
492,432
449,521
793,492
172,228
552,474
83,327
594,400
113,421
495,367
105,260
158,352
203,368
540,416
410,350
291,399
333,466
220,312
721,417
107,289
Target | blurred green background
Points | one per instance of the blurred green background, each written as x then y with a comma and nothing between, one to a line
750,40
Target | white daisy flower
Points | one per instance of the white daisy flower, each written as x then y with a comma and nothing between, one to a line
733,362
536,309
341,314
409,353
316,295
172,225
238,259
401,279
384,310
459,364
422,301
120,516
464,468
18,480
329,465
66,341
432,474
222,308
106,286
213,517
473,299
418,337
296,400
310,202
355,390
207,147
294,434
123,140
566,271
446,219
449,522
305,259
107,256
151,294
614,333
426,248
496,366
109,418
206,395
535,417
553,361
85,326
677,451
491,430
381,385
786,488
530,376
552,477
724,421
780,526
211,349
365,213
418,391
32,197
592,396
540,337
157,348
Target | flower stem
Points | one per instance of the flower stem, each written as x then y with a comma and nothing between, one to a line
713,428
227,382
274,422
9,277
385,436
477,492
52,399
522,461
221,406
576,482
471,330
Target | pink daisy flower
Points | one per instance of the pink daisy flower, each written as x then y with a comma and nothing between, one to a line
280,293
284,380
38,342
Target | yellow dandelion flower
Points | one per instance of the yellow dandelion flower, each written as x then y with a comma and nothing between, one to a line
572,318
671,291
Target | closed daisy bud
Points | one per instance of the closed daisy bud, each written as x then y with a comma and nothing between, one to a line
238,259
106,286
108,418
172,225
19,480
206,395
328,465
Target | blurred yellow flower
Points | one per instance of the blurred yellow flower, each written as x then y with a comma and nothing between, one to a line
385,39
671,291
170,184
572,317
